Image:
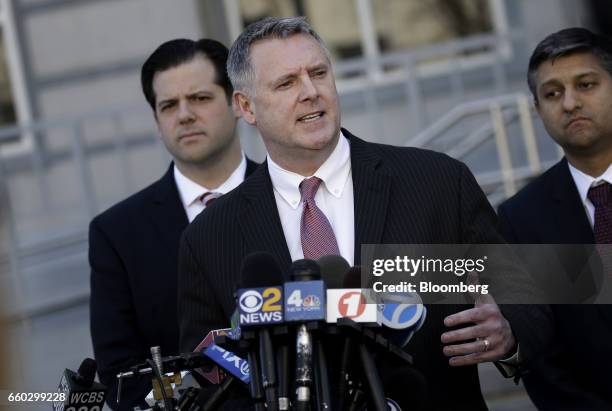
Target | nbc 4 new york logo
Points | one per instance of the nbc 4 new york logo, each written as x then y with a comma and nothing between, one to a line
304,301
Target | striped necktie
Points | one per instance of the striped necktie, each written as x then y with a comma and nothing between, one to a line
316,233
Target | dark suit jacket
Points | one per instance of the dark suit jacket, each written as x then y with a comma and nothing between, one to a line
401,195
133,253
576,373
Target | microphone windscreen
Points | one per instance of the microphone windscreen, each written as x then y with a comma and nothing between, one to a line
333,270
305,270
87,372
405,385
352,278
260,269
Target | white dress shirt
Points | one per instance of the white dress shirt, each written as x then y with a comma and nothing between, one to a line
334,197
584,182
190,191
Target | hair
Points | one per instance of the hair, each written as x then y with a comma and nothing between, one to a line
239,66
179,51
566,42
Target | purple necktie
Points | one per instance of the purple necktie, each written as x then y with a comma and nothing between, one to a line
601,197
317,236
602,228
209,197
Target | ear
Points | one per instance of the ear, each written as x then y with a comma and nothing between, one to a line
245,107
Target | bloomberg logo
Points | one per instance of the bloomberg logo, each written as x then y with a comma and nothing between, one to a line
260,306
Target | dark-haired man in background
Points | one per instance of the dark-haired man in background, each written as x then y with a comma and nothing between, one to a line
134,245
570,77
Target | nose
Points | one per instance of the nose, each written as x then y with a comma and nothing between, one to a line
571,101
309,89
185,114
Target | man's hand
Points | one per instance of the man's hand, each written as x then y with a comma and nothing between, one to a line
486,325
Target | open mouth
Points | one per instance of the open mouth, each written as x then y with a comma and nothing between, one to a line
308,118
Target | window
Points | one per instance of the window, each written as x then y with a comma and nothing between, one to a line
14,104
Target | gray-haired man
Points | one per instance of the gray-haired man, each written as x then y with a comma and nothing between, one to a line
319,178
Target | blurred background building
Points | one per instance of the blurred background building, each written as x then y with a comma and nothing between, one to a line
77,134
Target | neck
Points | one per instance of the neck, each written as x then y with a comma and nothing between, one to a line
214,171
593,165
304,162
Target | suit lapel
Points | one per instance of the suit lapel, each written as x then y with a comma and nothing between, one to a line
259,220
371,188
167,212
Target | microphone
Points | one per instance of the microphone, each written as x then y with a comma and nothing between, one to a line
213,374
333,270
351,301
305,304
80,390
260,303
404,314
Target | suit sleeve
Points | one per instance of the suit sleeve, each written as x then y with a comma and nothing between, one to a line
198,308
116,341
531,324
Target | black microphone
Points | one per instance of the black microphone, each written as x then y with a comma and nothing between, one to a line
375,392
310,356
260,270
79,389
333,270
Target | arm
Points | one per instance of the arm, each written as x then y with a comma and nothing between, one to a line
503,326
116,340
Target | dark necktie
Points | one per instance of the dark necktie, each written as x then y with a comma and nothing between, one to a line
316,233
209,197
600,196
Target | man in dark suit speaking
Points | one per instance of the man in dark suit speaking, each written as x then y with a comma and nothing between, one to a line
570,77
134,245
323,191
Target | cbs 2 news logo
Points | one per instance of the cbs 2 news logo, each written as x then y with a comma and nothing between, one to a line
261,305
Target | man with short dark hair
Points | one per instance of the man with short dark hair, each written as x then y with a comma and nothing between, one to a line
570,77
134,245
325,191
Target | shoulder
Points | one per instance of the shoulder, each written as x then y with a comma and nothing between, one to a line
401,159
126,212
535,194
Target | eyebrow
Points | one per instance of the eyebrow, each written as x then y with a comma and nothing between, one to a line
174,99
292,75
578,76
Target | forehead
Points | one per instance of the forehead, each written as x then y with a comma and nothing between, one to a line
275,57
193,75
568,67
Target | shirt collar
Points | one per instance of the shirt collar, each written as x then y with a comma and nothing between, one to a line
584,181
190,191
333,172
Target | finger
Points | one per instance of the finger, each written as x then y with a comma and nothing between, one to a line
471,315
473,347
472,279
463,334
471,359
479,298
